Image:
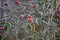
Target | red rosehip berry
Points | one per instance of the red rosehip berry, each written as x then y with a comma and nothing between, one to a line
29,20
17,2
35,6
21,16
29,16
58,5
1,35
58,11
2,28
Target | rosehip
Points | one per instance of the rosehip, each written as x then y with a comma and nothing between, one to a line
58,11
2,28
58,5
1,35
17,2
29,16
35,6
21,16
29,20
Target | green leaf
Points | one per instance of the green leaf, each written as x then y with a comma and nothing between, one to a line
39,27
58,25
58,39
41,3
35,35
46,0
55,3
6,25
29,27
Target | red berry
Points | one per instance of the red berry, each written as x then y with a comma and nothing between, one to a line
17,2
2,28
34,6
58,5
58,11
21,16
1,35
29,20
5,4
29,16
